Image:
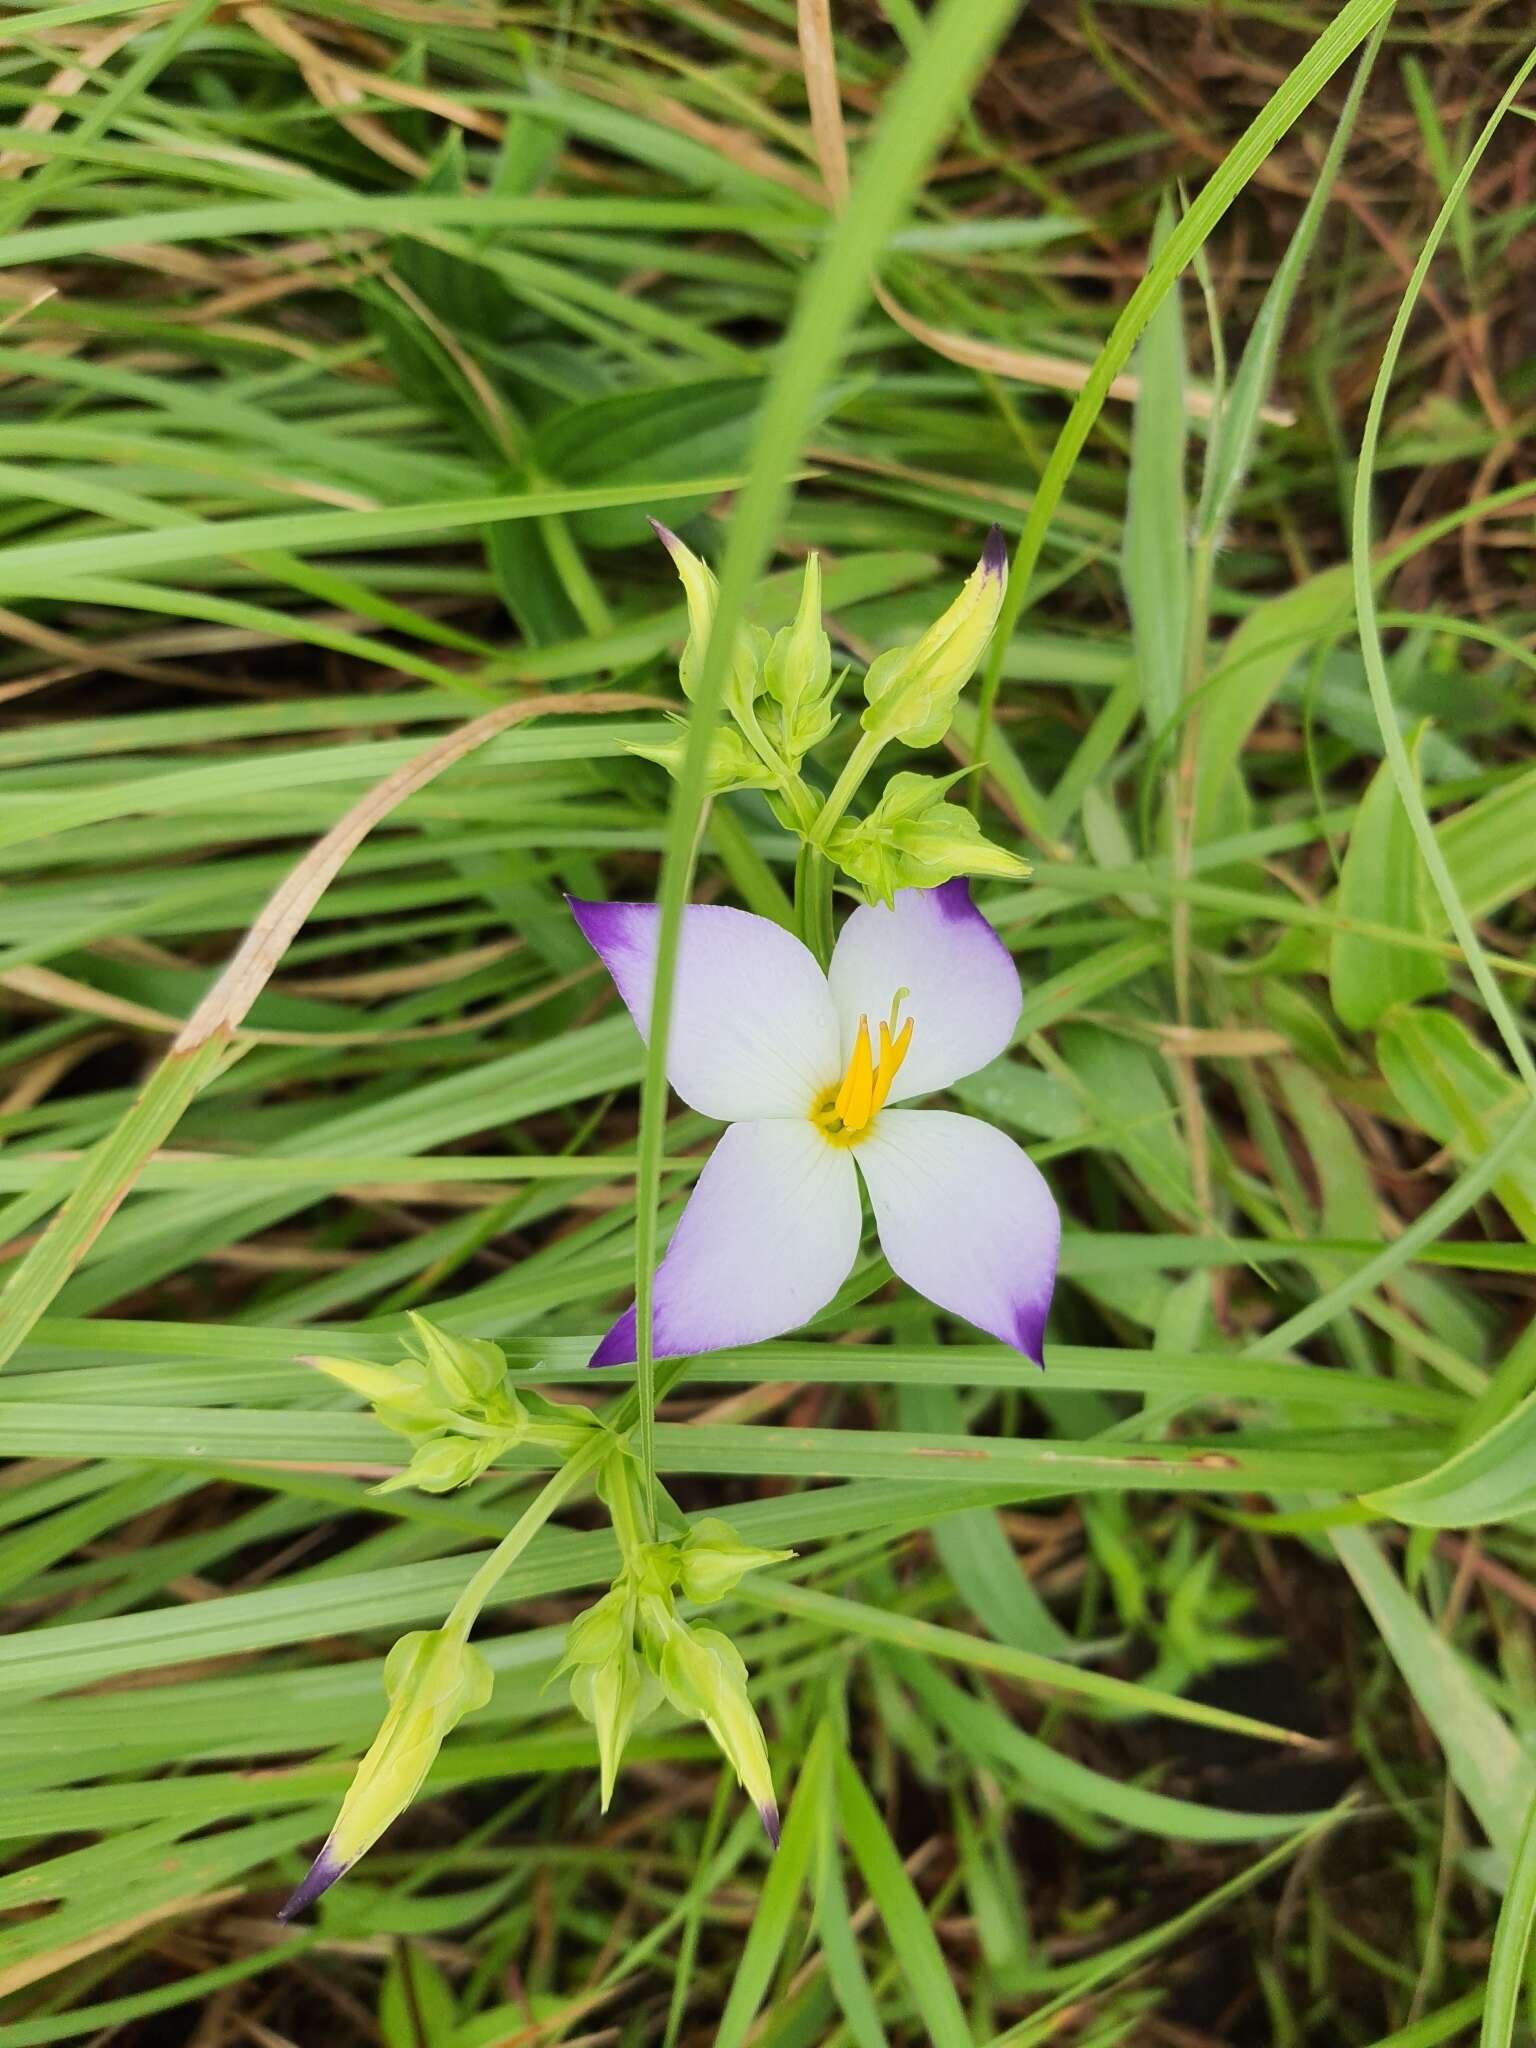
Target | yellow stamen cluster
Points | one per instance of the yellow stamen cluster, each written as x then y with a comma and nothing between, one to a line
843,1114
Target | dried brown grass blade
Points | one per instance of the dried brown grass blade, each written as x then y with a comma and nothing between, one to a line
225,1007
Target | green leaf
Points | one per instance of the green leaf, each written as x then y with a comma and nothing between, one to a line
1507,1978
1155,556
416,2007
1490,1769
774,1916
662,433
1042,1772
1491,1479
907,1925
1383,882
1460,1094
1272,639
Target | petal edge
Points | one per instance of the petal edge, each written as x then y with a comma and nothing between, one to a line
769,1234
963,988
966,1218
753,1031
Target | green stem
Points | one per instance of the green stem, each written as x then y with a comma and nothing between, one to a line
627,1508
813,901
788,784
860,761
556,1491
575,577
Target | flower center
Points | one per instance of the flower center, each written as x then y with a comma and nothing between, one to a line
844,1112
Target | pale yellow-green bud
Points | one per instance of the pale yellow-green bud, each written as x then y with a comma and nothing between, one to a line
614,1696
443,1464
702,1674
468,1369
603,1629
713,1560
386,1387
729,764
432,1680
798,671
743,681
913,839
911,691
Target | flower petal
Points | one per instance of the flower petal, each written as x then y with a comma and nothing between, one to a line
753,1031
768,1236
963,988
965,1218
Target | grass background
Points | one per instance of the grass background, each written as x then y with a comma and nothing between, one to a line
343,351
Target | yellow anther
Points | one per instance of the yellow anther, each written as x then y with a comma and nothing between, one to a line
844,1113
892,1053
855,1103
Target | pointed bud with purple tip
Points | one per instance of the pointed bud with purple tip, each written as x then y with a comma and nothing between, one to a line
702,1674
320,1876
743,680
911,692
433,1678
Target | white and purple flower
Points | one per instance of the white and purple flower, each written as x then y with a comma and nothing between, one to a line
805,1068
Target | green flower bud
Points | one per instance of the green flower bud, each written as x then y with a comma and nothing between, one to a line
798,671
743,680
401,1396
799,662
730,763
382,1385
603,1630
911,691
702,1674
614,1696
713,1561
444,1463
432,1680
468,1369
913,839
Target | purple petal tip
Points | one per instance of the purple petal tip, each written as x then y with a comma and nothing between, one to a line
770,1819
952,900
994,556
664,534
321,1875
1029,1330
618,1347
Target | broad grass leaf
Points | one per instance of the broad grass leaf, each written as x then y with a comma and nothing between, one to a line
1465,1099
1264,650
416,2008
1490,1769
1154,559
1491,1479
1383,882
659,432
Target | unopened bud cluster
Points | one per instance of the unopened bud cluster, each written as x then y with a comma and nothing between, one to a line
632,1650
449,1397
780,696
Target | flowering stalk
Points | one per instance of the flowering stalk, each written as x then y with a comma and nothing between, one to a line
805,1049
